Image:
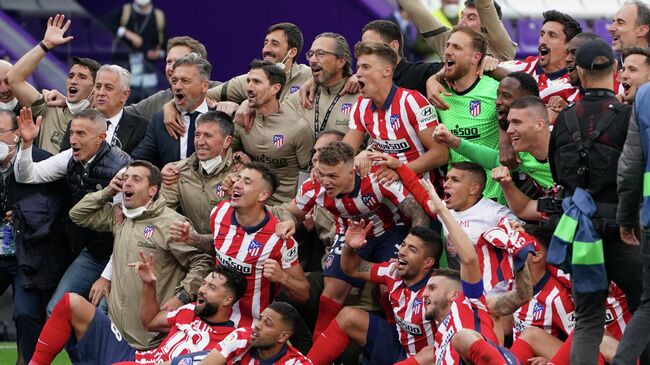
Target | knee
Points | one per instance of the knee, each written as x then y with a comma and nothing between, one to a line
533,335
336,290
464,339
349,318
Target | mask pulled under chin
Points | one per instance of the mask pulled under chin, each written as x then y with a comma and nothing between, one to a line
10,105
210,165
132,213
78,106
451,10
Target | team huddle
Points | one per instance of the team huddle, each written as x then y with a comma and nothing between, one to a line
479,210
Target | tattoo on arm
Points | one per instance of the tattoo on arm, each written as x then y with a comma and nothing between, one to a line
507,303
365,266
410,208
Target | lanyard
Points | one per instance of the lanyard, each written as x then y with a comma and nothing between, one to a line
318,130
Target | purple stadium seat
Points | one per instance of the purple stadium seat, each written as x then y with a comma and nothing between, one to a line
600,28
584,25
528,35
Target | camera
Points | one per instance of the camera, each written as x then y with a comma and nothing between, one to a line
551,202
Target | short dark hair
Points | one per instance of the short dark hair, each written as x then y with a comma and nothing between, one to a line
339,134
527,82
189,42
235,280
533,102
637,50
335,153
342,50
223,120
543,235
288,313
473,168
388,31
432,241
274,73
570,26
381,50
291,32
268,175
88,63
154,176
450,274
478,41
12,115
471,4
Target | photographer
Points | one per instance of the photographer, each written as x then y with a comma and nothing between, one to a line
585,146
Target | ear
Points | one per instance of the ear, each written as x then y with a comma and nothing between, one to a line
229,300
388,71
102,137
264,196
125,95
476,58
275,88
284,337
453,295
205,87
429,263
475,188
394,44
152,191
642,31
227,142
292,53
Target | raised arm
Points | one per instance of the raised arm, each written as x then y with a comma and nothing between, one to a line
152,318
507,303
498,39
434,33
182,231
523,206
355,238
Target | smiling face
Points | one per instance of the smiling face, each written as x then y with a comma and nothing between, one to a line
189,87
326,66
624,31
6,95
636,72
338,179
412,257
85,139
276,47
110,96
552,46
570,59
210,141
136,187
79,84
249,190
469,18
438,295
270,330
509,90
460,57
524,129
211,295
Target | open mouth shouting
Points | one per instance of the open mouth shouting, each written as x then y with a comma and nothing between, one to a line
626,88
73,91
543,52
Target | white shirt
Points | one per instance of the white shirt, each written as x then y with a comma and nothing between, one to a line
203,108
51,169
110,131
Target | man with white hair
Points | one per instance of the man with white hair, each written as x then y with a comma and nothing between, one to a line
112,89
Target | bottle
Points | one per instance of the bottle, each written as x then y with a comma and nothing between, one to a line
8,239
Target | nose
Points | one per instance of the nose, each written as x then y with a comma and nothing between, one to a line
611,27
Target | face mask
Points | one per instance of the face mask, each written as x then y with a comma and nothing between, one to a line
78,106
10,105
4,149
451,10
210,165
142,3
133,213
281,64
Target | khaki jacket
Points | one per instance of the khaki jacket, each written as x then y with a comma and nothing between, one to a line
178,266
53,127
197,193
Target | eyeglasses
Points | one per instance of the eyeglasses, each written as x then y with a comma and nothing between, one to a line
319,53
3,131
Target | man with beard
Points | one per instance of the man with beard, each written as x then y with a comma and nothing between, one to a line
143,226
630,26
382,342
331,62
79,85
267,342
549,67
89,336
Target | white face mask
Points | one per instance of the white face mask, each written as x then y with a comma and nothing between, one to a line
78,106
142,3
210,165
282,63
133,213
451,10
4,149
10,105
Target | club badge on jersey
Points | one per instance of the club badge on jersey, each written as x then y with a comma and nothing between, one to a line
278,140
149,231
475,108
394,121
345,108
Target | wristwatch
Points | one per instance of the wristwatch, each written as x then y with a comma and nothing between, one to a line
183,297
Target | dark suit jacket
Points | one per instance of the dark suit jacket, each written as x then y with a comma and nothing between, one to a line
158,147
130,131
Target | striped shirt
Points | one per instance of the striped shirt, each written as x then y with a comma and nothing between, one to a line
369,200
554,84
415,332
246,249
236,348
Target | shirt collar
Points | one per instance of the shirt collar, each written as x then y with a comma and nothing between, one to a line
116,118
202,108
251,229
388,102
273,359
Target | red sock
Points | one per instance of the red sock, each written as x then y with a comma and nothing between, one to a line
327,311
483,353
563,355
329,345
522,350
409,361
55,333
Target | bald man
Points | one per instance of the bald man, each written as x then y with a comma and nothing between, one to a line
7,99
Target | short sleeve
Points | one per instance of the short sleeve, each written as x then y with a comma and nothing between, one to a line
425,114
235,343
289,253
381,274
356,119
306,196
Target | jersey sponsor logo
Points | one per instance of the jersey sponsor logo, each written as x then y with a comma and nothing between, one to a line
294,88
278,140
219,191
409,327
147,244
475,108
466,132
538,311
609,316
394,121
346,108
417,305
392,147
185,361
369,200
240,266
254,248
289,256
272,162
427,115
149,231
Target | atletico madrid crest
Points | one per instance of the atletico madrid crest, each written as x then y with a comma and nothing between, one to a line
278,140
417,304
538,311
345,108
394,121
254,248
369,200
219,191
149,231
475,108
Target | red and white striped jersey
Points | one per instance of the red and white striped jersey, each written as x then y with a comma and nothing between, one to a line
549,84
618,89
187,333
550,309
470,313
246,249
415,332
369,200
237,350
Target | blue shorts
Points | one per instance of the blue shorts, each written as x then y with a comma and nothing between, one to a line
378,249
382,343
102,344
508,357
190,359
